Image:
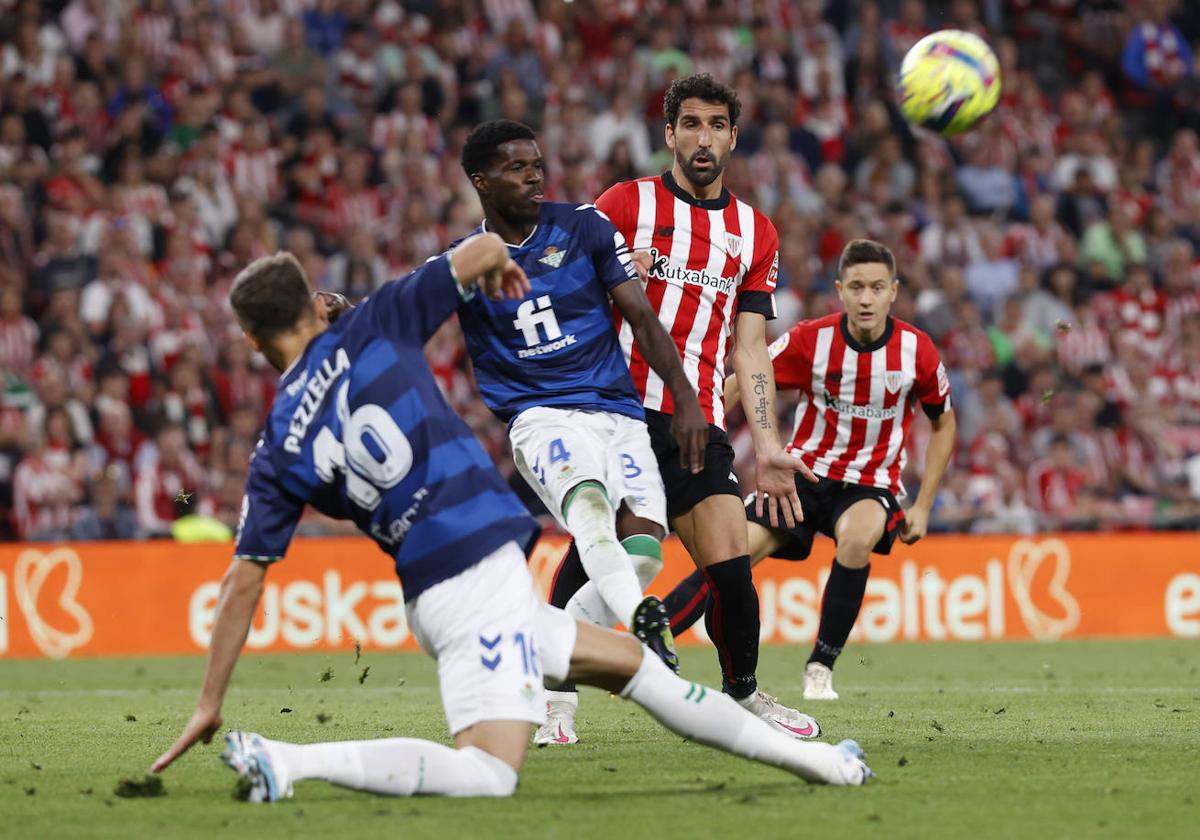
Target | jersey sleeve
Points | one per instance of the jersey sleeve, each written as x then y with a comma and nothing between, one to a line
619,204
757,292
269,513
411,308
610,254
788,359
932,385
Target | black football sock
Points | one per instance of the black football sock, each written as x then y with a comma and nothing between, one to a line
687,602
568,580
732,623
839,610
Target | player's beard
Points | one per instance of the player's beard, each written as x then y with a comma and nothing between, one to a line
703,177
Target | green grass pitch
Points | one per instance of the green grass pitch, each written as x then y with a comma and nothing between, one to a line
1075,739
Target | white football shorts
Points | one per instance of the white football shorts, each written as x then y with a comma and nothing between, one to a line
494,641
555,449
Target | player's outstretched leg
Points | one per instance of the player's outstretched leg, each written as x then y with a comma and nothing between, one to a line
615,662
389,766
573,592
590,518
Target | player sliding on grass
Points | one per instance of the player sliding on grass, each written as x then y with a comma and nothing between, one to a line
549,364
714,261
360,431
860,375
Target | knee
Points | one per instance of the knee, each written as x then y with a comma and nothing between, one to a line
854,553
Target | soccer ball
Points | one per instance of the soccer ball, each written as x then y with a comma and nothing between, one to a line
948,82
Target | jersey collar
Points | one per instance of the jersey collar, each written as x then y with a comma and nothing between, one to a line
718,203
856,346
524,242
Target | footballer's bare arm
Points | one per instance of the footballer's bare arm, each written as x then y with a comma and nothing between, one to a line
240,590
937,457
688,425
774,468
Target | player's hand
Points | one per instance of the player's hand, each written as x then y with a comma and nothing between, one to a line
776,490
690,430
916,525
508,281
202,727
641,264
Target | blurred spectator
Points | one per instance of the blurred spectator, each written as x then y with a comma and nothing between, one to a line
169,472
107,515
1110,245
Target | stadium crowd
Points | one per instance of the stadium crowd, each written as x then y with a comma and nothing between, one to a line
150,148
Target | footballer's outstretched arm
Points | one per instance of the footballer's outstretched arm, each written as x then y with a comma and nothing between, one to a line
937,457
240,590
688,425
775,469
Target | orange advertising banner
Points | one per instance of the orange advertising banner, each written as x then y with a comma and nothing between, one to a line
126,599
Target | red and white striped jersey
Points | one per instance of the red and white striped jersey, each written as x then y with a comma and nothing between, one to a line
857,401
711,259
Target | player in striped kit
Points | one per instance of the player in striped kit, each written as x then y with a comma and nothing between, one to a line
860,375
714,262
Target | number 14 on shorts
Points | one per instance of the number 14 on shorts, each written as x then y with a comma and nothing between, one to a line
558,453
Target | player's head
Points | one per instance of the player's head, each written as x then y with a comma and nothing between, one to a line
867,283
505,166
701,128
271,299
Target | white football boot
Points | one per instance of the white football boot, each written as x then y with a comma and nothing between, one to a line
853,769
818,682
264,778
559,727
787,720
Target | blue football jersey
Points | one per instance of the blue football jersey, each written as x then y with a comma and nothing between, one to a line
360,431
558,345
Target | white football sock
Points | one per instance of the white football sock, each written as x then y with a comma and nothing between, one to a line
591,520
399,767
710,717
587,605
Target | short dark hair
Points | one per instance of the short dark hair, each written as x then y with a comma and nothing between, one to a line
271,296
481,145
704,87
861,251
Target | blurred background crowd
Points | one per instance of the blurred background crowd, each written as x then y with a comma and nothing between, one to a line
150,148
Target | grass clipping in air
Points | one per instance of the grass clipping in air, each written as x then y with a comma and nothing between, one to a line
147,786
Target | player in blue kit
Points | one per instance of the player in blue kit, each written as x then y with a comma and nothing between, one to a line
360,431
552,367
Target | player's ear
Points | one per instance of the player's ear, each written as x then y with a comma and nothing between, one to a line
669,136
733,138
479,182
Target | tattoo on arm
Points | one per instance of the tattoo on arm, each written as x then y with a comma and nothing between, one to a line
761,415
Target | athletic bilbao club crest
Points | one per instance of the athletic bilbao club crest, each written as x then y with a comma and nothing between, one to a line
893,379
733,244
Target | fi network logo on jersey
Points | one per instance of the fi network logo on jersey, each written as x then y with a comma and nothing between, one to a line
534,314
